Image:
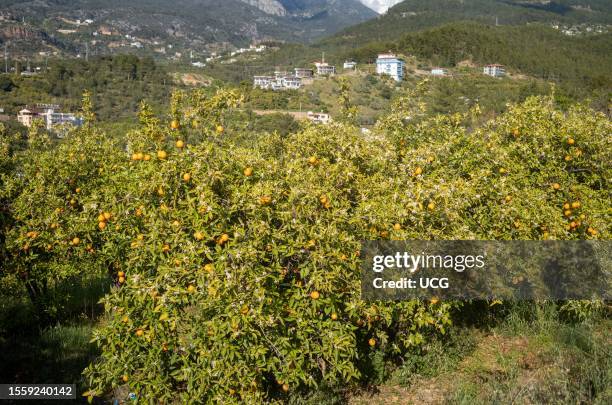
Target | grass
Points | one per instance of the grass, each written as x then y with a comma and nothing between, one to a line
533,355
57,353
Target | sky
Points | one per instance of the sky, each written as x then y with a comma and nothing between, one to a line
380,6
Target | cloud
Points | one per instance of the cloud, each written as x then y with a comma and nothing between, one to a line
380,6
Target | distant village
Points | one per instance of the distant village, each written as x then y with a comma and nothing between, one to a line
387,64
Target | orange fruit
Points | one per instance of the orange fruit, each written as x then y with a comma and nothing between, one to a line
186,177
134,156
107,216
265,200
334,316
146,158
198,235
121,274
180,144
209,268
431,206
76,241
568,158
372,342
567,213
418,171
121,280
556,186
175,124
248,172
220,129
315,295
223,238
285,387
161,154
139,332
101,218
502,170
244,310
571,141
516,132
397,227
508,198
191,289
166,248
125,378
576,204
313,160
102,225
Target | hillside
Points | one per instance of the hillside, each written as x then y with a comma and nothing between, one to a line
198,25
415,15
568,59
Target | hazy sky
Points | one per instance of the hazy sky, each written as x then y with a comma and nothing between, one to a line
380,5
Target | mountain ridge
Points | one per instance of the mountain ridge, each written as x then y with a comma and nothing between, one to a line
188,24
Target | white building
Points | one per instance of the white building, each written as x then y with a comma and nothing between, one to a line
291,82
350,65
439,72
263,82
494,70
389,64
304,73
48,114
277,82
325,69
319,118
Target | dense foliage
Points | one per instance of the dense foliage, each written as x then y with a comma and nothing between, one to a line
236,266
118,84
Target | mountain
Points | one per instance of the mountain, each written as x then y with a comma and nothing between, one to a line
179,24
415,15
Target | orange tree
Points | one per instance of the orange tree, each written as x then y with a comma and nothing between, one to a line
236,267
47,193
239,270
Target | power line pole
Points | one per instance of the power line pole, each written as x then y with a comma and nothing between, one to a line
6,57
86,51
